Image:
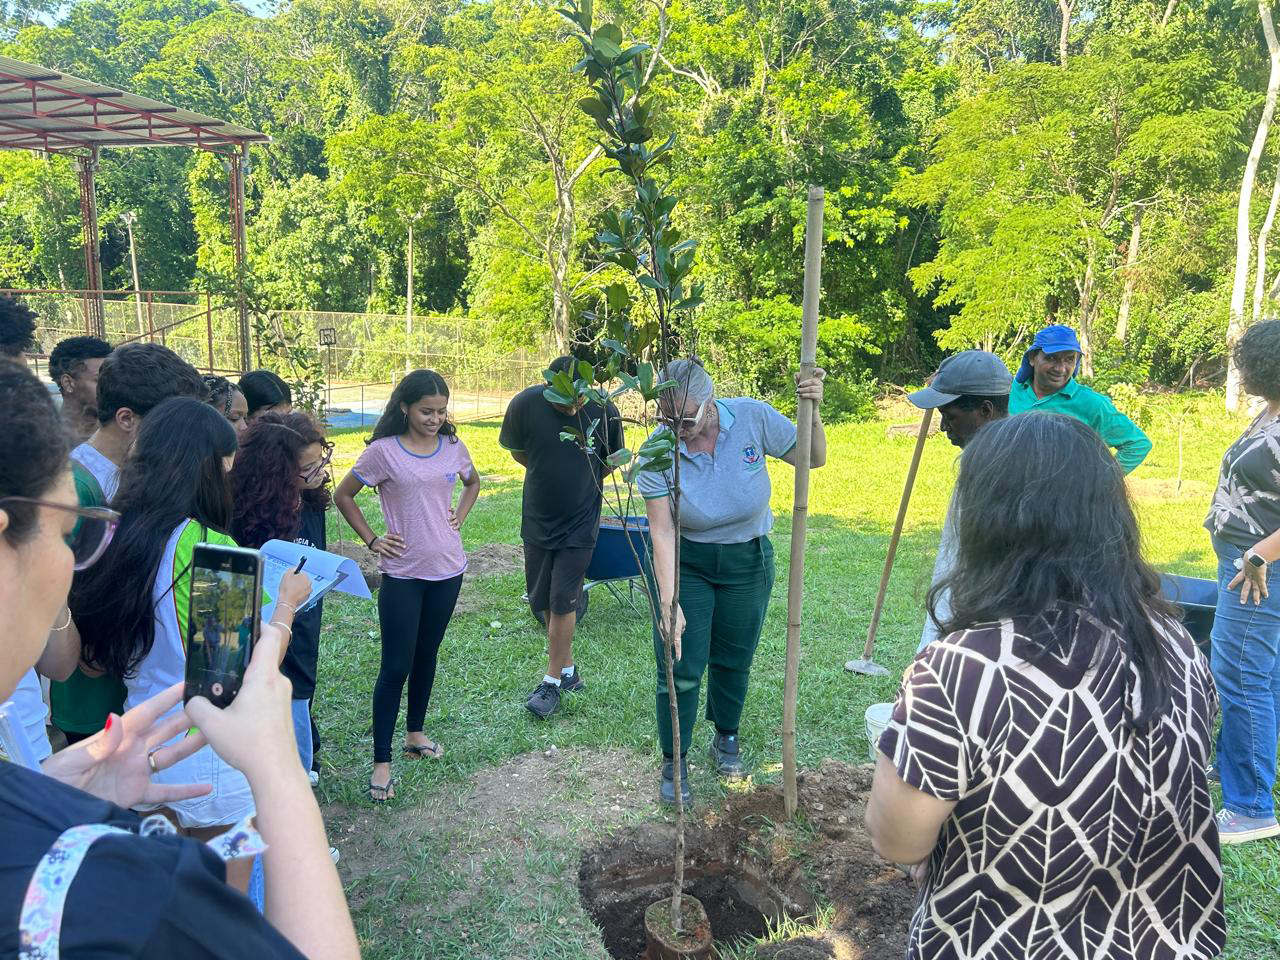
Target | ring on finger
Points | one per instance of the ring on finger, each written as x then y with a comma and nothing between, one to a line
151,762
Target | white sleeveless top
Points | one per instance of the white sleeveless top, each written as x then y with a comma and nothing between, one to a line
166,664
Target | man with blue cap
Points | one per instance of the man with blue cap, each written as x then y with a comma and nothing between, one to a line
969,390
1046,383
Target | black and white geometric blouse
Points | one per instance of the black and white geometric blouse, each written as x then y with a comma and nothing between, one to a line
1246,504
1074,837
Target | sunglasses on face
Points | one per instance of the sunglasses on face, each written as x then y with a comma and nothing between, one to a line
319,467
685,423
93,530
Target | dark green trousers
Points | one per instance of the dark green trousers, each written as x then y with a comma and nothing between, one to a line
724,592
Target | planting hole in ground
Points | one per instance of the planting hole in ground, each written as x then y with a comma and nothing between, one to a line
752,870
621,878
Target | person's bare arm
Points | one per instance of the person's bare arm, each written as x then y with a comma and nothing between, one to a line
520,457
903,822
385,545
1253,580
812,389
61,651
305,901
470,492
662,533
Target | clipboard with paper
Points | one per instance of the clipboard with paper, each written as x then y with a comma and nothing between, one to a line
328,572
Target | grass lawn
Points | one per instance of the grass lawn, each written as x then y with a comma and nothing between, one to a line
477,855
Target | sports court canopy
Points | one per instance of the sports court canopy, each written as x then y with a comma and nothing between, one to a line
54,112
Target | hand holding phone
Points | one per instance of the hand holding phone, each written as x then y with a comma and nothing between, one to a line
255,734
223,618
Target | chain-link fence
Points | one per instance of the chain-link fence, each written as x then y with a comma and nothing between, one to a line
188,322
365,354
362,355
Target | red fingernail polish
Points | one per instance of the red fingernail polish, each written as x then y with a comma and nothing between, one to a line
110,720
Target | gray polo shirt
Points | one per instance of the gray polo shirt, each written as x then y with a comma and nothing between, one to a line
725,498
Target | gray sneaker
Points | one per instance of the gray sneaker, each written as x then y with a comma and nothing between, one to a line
573,682
1237,828
726,756
667,791
544,701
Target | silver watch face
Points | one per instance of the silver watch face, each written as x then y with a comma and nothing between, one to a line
1256,560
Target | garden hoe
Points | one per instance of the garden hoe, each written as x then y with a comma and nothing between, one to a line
865,664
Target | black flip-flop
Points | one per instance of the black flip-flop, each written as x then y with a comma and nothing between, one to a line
434,751
385,789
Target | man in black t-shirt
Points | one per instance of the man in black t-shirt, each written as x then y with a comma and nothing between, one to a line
560,516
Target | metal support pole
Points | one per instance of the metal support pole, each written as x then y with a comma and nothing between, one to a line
238,169
94,311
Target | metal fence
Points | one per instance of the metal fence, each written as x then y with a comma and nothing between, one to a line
363,355
203,333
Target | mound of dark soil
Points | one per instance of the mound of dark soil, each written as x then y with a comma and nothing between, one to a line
751,871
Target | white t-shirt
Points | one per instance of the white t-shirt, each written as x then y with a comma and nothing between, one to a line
104,471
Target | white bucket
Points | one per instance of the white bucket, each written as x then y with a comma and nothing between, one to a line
877,718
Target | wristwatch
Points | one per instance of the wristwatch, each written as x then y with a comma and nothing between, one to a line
1254,558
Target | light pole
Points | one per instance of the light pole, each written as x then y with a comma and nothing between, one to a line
129,218
408,300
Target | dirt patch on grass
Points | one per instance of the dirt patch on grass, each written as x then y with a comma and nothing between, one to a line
495,559
516,812
748,870
1167,488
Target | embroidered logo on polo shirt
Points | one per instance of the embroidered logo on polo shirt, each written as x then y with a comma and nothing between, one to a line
750,455
450,478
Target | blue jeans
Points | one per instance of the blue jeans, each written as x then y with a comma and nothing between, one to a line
1246,668
302,731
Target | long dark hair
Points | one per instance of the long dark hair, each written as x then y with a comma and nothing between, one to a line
174,473
414,386
264,481
1046,531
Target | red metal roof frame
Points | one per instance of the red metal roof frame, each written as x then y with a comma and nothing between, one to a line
43,109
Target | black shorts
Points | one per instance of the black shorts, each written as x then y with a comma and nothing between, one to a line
554,578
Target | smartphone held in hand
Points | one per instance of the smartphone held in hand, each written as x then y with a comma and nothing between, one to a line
222,621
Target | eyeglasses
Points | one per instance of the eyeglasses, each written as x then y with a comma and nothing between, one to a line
320,466
685,423
93,530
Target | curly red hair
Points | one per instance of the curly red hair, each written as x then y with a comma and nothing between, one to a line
265,486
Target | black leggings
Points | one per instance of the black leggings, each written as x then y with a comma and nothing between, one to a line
413,615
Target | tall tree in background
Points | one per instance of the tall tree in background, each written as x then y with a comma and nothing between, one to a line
1244,229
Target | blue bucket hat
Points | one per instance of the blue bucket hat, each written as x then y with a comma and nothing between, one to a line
1054,338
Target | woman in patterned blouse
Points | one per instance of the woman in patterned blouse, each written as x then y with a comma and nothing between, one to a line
1244,523
1044,770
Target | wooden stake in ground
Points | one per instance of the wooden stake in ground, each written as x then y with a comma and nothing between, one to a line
800,510
866,664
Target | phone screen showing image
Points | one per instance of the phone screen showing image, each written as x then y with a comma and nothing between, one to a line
226,587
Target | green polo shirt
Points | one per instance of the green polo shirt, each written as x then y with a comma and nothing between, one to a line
1088,406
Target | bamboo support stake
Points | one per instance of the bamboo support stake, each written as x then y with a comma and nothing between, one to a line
800,510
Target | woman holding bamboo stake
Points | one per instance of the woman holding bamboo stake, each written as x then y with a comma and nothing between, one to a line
726,559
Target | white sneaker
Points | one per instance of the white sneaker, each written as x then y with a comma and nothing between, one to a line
1237,828
314,777
334,855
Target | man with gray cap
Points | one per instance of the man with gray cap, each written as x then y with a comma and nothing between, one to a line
969,390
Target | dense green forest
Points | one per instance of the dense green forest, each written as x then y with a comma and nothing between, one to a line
989,165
